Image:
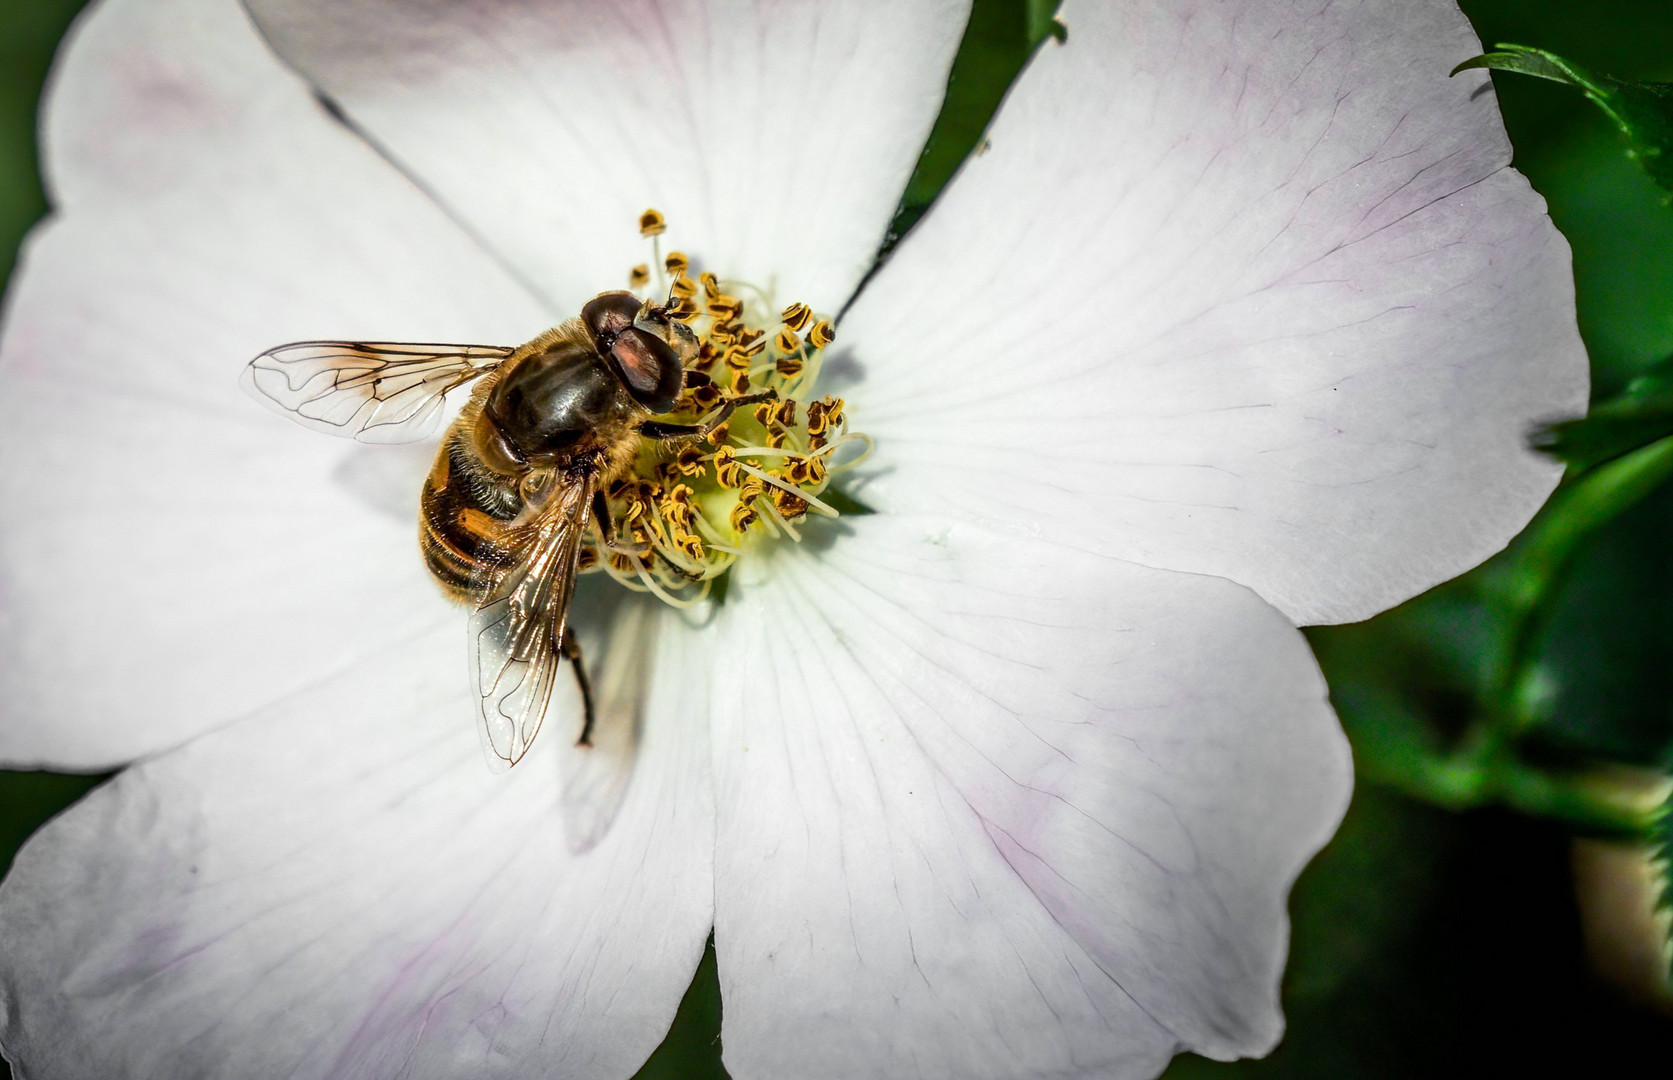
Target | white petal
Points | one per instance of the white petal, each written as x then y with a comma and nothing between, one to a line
1238,289
777,138
619,635
339,887
171,554
996,808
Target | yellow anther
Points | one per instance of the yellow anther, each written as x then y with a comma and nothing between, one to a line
652,223
788,367
739,383
824,415
742,517
690,545
775,438
688,462
677,513
728,473
805,470
796,316
719,434
736,358
639,276
706,397
751,489
763,413
822,334
724,307
752,343
818,418
711,284
784,413
787,341
676,263
683,287
680,495
791,506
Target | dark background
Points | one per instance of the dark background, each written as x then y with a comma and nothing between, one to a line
1427,941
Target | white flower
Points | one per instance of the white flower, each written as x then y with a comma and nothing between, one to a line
1238,324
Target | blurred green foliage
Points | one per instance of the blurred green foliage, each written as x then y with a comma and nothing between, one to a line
1438,932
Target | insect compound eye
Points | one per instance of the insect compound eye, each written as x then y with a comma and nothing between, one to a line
607,315
648,369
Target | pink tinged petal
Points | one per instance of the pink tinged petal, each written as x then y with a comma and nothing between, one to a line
776,138
1240,288
991,807
340,888
171,554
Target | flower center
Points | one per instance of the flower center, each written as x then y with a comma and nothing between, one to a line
686,511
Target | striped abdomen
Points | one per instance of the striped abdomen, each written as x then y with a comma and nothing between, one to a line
465,514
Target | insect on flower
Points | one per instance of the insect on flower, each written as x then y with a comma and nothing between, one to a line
519,500
1009,777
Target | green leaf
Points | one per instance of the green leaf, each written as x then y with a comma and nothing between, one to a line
691,1051
1661,846
1043,22
998,41
1640,415
28,799
1643,111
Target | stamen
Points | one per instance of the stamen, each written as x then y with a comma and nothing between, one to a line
796,316
686,510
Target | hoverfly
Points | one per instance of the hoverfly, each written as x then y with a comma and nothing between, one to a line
520,475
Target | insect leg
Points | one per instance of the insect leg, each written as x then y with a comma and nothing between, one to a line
572,652
601,517
653,429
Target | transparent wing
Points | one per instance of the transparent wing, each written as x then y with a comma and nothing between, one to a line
516,631
374,391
